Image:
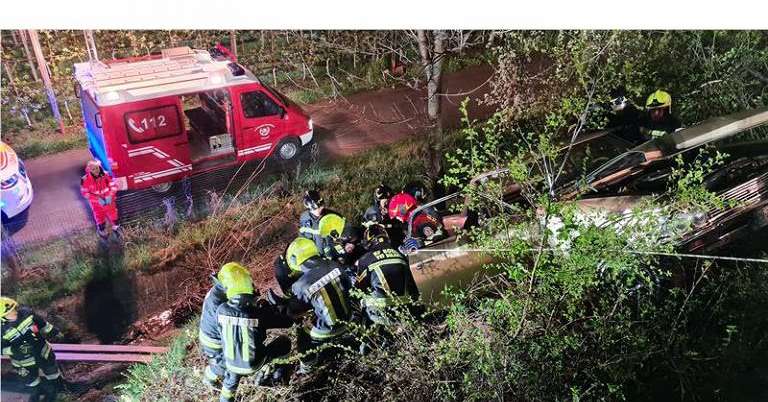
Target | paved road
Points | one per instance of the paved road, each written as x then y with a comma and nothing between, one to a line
346,126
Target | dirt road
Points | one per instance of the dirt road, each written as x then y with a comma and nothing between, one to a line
345,126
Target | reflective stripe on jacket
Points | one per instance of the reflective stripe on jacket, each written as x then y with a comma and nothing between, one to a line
243,331
23,340
386,273
209,334
325,285
101,186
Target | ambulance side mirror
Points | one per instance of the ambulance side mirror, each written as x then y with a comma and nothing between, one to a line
97,118
78,90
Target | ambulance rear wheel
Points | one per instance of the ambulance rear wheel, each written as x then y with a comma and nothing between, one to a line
288,149
162,188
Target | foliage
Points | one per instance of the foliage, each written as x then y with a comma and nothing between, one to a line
708,73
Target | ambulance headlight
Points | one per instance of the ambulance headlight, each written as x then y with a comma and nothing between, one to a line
112,96
311,124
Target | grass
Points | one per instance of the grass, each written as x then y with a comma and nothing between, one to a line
176,379
346,184
30,144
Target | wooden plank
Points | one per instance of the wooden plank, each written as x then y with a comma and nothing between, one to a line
96,357
111,357
70,347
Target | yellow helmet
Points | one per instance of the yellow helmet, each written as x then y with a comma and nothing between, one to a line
659,99
236,279
299,251
7,305
331,225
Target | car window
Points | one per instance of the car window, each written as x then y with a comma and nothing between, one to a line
154,123
257,104
277,94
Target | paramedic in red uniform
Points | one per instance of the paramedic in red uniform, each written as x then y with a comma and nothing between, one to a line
100,189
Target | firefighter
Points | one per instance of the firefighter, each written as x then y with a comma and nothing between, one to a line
341,240
386,274
659,120
310,219
210,334
100,189
244,323
378,213
24,341
324,287
624,119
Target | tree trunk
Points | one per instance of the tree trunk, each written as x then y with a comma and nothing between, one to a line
27,53
44,71
432,55
233,42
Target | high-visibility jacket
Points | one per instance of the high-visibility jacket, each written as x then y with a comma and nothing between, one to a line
325,286
243,331
24,340
387,274
654,129
209,333
100,191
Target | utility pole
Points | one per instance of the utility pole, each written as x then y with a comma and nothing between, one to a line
27,53
46,77
90,45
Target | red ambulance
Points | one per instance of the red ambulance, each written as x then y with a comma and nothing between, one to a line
155,119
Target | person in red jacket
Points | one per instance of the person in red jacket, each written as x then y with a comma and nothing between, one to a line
100,189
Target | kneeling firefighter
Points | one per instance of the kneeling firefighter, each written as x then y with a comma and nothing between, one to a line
386,274
24,341
323,286
244,324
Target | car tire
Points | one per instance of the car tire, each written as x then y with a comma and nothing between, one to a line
162,188
288,149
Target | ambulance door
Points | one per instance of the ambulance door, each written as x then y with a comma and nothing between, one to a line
260,121
157,143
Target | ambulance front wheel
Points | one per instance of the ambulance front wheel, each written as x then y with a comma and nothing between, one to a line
288,149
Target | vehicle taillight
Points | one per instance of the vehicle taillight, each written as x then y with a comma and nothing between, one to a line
10,182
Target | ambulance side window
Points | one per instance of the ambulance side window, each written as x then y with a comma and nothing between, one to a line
257,104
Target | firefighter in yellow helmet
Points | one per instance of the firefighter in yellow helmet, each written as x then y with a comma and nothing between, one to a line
341,240
659,120
322,286
25,341
244,322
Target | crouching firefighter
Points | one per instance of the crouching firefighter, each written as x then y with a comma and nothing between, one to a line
323,286
386,275
309,221
24,341
209,334
100,189
341,241
379,213
244,324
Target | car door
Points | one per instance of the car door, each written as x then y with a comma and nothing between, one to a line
261,121
157,146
